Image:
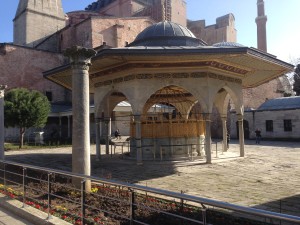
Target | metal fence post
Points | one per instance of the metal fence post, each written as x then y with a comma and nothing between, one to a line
83,201
111,150
280,209
204,216
181,202
131,207
49,196
122,151
4,175
24,186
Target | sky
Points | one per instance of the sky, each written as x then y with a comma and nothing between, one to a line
283,33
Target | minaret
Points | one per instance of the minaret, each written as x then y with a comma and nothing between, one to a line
261,21
36,20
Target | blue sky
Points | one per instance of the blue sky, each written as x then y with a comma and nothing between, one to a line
283,24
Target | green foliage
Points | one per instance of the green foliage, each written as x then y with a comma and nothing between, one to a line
24,108
296,86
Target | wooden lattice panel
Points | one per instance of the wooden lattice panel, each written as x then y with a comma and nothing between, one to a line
167,129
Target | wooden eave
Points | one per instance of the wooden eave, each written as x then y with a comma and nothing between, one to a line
250,65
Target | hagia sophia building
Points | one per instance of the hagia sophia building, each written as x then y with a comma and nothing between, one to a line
42,31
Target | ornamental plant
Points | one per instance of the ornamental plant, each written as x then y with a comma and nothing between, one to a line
24,109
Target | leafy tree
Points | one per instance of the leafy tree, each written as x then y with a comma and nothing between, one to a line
296,86
24,109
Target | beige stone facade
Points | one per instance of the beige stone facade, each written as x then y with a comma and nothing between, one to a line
35,20
258,120
223,31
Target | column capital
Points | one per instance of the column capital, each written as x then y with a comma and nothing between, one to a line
240,117
80,57
2,89
224,117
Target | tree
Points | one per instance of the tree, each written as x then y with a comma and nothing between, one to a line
296,86
24,109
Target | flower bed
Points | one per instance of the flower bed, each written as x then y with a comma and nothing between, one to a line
110,202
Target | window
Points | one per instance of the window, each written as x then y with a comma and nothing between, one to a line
269,125
49,95
287,125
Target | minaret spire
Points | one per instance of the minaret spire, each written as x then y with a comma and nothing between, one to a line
261,21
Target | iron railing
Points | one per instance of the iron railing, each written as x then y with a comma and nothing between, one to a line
45,186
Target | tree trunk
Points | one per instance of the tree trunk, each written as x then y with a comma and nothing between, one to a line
22,132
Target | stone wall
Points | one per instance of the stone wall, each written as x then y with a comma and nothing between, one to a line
37,19
118,8
223,30
23,67
93,32
257,119
51,43
254,97
128,8
178,9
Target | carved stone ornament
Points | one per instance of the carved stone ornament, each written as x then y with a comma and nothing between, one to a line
80,56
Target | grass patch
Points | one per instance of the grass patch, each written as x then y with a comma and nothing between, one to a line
15,146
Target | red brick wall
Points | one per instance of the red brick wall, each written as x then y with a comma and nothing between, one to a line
23,67
93,32
179,12
116,31
120,8
254,97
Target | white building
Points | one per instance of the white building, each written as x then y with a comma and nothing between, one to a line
276,118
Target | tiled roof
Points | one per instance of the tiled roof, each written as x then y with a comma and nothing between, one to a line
281,104
57,108
225,44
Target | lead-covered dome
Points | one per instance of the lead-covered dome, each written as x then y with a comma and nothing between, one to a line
225,44
166,34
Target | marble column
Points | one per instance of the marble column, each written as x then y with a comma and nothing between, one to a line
241,135
2,89
107,135
138,139
98,145
80,60
208,138
224,126
109,128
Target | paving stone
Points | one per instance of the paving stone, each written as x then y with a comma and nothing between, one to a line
268,173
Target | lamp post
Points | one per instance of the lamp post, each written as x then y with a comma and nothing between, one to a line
2,89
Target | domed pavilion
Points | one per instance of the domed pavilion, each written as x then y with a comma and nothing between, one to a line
166,67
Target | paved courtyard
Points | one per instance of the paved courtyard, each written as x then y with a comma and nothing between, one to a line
267,177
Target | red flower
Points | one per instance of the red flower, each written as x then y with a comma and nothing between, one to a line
78,222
